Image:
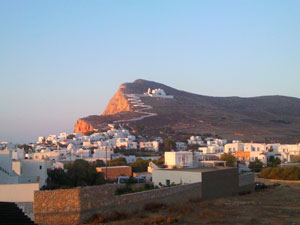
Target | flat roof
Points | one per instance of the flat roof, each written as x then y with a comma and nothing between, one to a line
104,167
199,169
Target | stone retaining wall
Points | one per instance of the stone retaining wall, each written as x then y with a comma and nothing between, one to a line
57,207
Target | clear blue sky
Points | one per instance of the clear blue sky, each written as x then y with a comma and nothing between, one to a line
61,60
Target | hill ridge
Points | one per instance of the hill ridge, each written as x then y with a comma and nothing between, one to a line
258,118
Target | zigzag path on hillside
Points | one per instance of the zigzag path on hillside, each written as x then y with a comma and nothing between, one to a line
135,99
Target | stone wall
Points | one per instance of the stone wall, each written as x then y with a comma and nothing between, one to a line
76,206
57,207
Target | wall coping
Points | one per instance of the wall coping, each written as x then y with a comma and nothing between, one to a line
159,189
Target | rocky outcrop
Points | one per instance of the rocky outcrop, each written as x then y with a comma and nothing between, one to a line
82,126
118,103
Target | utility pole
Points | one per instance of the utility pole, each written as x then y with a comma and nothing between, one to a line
106,163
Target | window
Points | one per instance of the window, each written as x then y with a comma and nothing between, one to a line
168,182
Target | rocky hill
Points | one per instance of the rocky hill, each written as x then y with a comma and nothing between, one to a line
264,118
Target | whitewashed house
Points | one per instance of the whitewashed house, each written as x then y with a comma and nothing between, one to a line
233,147
18,154
103,153
150,146
195,140
157,93
82,153
213,141
179,159
181,146
213,149
41,140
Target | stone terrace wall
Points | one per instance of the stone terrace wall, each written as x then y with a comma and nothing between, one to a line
57,207
76,206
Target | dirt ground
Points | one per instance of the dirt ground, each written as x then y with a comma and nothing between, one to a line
275,205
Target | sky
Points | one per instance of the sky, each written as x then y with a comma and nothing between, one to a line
62,60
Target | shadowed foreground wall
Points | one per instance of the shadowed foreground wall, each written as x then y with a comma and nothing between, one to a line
76,206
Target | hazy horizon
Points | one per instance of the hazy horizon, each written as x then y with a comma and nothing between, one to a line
60,61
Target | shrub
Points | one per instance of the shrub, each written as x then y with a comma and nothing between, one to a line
256,166
273,162
229,158
291,173
275,173
265,172
123,190
287,173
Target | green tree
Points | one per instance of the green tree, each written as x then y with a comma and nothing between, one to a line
256,166
160,162
99,163
57,179
271,149
273,162
79,173
140,165
117,162
169,145
26,148
229,158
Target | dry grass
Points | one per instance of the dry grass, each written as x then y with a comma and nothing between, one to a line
180,209
154,206
208,213
96,219
276,205
195,200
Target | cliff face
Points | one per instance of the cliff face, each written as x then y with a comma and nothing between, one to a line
82,126
117,104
